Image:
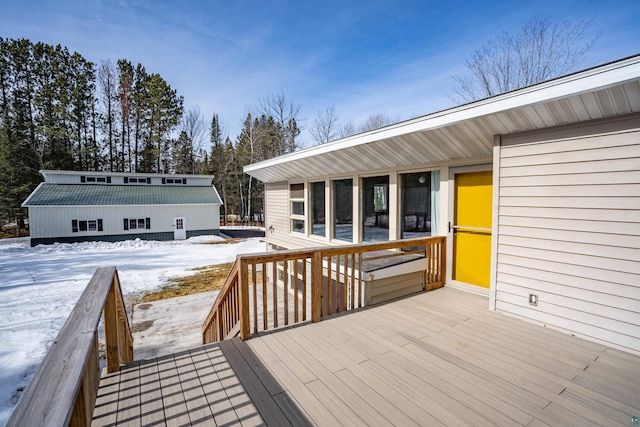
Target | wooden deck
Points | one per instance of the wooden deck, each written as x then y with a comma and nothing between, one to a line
437,358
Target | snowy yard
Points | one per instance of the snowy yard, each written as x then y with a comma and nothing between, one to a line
39,287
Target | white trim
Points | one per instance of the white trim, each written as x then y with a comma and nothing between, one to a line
495,211
469,288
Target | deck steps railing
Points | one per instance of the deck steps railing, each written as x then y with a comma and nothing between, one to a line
274,289
64,388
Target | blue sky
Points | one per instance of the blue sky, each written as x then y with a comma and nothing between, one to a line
365,57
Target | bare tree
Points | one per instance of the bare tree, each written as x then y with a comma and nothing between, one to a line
108,87
325,126
286,114
377,121
541,51
194,127
347,129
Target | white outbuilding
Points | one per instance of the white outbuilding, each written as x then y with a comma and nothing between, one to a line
72,206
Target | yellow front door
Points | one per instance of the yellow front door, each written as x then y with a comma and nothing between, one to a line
472,228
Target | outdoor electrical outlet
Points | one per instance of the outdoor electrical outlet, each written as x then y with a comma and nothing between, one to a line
533,299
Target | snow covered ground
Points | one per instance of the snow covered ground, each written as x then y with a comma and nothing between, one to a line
39,287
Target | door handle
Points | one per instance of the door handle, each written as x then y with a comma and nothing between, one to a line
468,228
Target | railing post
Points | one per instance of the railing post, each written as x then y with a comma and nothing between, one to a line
243,284
124,329
443,261
111,331
316,286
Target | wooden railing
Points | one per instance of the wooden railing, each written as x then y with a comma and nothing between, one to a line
273,289
64,388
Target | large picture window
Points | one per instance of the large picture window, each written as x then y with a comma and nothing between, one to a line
318,209
375,209
296,201
419,204
415,213
343,210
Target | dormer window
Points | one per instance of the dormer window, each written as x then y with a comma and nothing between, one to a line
137,180
95,179
174,180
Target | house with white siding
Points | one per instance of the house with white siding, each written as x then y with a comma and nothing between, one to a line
71,206
536,190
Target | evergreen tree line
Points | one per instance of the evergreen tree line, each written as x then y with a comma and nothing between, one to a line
260,138
61,111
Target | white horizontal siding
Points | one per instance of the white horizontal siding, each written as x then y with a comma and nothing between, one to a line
52,222
569,229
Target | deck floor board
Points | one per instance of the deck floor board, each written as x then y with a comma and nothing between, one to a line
436,358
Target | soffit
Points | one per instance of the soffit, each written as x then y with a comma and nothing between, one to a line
465,132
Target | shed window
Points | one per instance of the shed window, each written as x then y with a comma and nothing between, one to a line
137,223
94,179
136,180
86,225
174,180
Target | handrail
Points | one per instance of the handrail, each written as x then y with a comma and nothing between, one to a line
319,281
220,322
64,388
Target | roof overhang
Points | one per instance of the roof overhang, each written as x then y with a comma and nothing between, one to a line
467,131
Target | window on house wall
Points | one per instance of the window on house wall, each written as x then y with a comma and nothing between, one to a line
296,202
78,225
375,208
137,223
318,209
415,212
343,210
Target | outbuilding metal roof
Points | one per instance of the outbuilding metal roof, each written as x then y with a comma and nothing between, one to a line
123,195
467,131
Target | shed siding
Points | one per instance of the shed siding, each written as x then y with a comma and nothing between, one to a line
569,229
52,222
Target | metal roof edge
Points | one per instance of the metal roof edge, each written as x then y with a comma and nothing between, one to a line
590,79
25,204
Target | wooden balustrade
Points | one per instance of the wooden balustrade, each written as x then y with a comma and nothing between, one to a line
64,388
273,289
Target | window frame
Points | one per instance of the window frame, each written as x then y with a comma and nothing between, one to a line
379,215
87,225
334,207
296,217
322,184
137,224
